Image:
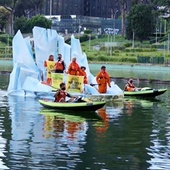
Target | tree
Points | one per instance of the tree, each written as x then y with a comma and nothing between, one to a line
112,5
26,25
37,4
161,2
21,7
21,24
122,8
140,21
4,18
123,5
25,7
10,5
41,21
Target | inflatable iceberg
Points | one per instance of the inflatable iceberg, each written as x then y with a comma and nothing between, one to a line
29,72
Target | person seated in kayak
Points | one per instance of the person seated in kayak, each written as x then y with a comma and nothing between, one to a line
60,95
103,79
130,86
74,68
59,65
83,73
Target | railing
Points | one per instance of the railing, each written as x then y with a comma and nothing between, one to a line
6,52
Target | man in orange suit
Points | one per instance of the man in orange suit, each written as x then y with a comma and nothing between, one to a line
74,68
103,79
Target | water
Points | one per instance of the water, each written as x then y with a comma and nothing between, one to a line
129,135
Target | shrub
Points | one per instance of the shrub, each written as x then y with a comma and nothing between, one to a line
128,45
87,31
90,58
103,58
21,24
120,48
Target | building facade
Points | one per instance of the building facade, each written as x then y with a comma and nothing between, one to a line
94,8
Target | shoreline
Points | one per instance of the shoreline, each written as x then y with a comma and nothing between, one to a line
112,63
115,79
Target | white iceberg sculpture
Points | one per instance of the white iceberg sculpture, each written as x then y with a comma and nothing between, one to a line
29,72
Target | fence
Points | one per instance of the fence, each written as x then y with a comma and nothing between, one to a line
152,60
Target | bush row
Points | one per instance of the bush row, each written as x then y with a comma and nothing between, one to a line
111,59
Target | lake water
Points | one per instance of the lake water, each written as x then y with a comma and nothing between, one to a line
130,135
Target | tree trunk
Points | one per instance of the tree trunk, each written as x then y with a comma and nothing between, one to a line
122,9
123,22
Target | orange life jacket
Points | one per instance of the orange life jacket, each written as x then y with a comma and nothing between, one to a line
60,96
129,87
83,73
73,69
59,65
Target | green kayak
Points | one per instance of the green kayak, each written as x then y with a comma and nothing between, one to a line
145,92
78,106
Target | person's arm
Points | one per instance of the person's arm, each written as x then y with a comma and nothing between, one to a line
69,95
97,78
45,63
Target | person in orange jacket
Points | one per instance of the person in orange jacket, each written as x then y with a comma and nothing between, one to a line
103,79
50,67
74,68
83,73
130,86
59,65
60,95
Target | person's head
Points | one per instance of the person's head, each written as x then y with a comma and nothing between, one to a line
130,81
51,58
59,56
103,68
62,86
74,59
83,68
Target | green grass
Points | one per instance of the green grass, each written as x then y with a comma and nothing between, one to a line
123,53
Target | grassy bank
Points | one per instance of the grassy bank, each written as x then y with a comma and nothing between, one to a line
123,52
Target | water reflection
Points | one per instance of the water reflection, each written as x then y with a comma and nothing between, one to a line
131,103
3,140
71,125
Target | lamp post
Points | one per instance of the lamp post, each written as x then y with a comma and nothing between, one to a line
114,23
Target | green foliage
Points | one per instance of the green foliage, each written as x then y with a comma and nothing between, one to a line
4,16
87,31
86,37
4,38
128,44
26,26
140,50
102,58
140,21
21,24
39,20
161,2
